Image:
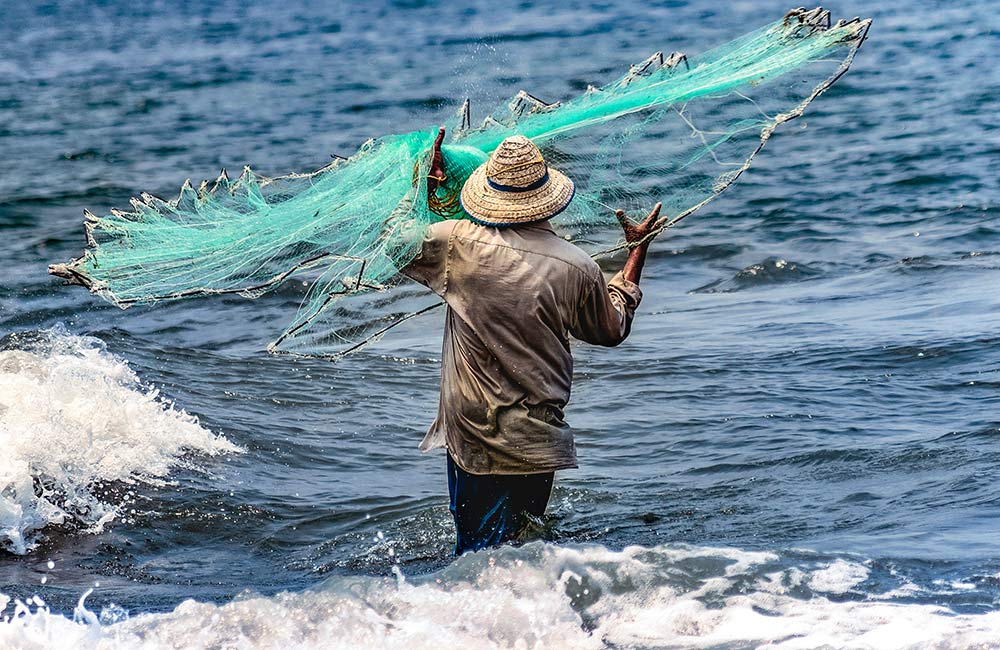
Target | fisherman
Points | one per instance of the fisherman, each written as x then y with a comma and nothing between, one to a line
516,291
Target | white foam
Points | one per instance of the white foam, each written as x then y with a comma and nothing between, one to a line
541,596
73,419
838,577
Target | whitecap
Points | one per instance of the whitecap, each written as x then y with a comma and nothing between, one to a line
838,577
540,596
74,420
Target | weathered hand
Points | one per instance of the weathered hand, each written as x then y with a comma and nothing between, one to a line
435,175
643,231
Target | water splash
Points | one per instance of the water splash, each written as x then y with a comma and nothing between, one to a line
75,422
544,596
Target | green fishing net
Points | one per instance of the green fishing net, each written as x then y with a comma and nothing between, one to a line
676,129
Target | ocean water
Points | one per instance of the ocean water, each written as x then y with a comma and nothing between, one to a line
798,446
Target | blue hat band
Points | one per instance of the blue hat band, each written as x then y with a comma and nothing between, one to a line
514,188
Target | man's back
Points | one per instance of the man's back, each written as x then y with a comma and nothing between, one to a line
514,297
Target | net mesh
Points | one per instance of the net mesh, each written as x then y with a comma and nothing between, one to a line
676,129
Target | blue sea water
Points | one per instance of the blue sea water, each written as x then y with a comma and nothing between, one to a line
797,447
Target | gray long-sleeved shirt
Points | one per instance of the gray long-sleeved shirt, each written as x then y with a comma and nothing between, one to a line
515,295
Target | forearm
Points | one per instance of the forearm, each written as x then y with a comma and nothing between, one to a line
636,260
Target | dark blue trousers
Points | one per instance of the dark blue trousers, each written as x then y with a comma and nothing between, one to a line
493,509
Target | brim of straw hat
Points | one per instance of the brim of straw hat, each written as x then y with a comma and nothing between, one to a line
493,207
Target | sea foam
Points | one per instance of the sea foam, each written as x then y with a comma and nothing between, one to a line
540,596
75,425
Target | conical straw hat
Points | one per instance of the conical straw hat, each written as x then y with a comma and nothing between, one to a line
515,186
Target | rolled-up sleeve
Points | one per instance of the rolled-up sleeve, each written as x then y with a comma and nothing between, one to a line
606,312
430,266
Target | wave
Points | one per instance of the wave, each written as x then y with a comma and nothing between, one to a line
545,596
773,270
77,427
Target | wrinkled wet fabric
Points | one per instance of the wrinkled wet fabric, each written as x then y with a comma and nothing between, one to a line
515,297
494,509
